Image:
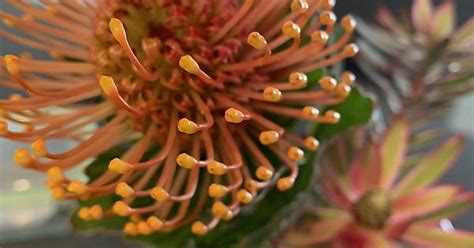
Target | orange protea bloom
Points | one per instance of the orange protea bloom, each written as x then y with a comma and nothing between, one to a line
196,78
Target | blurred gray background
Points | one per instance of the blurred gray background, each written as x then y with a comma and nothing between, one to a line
460,120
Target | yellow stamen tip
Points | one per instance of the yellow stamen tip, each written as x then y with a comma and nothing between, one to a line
219,209
15,97
311,143
310,112
77,187
189,64
217,190
143,228
348,23
124,190
343,90
186,161
285,183
119,166
291,29
351,50
58,193
55,172
187,126
295,153
234,116
11,62
228,216
121,208
332,116
299,6
84,213
159,194
257,41
320,37
23,157
108,85
154,223
328,4
328,83
97,213
117,29
216,168
130,229
39,148
348,78
55,175
244,197
298,79
8,22
199,228
272,94
263,173
328,18
269,137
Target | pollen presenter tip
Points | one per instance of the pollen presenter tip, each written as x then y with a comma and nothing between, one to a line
189,64
257,41
119,166
187,126
186,161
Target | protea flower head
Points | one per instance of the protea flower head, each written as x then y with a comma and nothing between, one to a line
199,79
418,64
378,202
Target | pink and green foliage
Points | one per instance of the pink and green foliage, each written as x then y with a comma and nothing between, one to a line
375,203
418,64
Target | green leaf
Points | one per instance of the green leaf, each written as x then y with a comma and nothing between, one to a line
356,110
310,234
431,167
434,237
457,206
464,35
424,201
444,20
393,149
422,14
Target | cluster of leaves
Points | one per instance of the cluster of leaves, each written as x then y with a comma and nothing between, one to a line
417,65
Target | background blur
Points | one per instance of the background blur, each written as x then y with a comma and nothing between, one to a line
25,203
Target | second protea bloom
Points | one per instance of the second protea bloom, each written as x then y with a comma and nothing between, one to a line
379,203
198,79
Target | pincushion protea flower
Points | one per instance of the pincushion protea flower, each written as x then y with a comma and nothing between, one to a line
196,78
418,64
374,207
